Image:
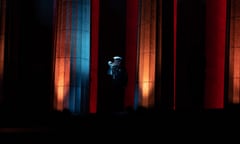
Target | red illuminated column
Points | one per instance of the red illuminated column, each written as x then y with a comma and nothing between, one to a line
94,55
215,53
131,49
174,52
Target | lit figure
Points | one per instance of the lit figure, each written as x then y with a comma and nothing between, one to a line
119,78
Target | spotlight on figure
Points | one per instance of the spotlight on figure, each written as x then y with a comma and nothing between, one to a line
115,66
118,76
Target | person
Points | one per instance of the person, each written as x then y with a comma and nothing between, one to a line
118,74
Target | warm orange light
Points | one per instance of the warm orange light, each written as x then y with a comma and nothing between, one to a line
234,58
1,56
145,76
2,37
146,79
62,64
147,53
236,76
62,81
236,89
146,89
62,56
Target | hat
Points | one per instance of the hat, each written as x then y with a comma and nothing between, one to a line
117,58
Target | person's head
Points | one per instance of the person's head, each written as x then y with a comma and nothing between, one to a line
117,60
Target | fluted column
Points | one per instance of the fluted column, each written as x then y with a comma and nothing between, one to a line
215,37
72,55
147,53
234,53
2,41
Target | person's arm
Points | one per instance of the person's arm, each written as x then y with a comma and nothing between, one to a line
110,63
109,72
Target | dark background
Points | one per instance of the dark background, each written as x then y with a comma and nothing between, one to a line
190,54
28,56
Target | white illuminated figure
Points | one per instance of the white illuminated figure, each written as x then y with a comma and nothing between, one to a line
118,76
115,66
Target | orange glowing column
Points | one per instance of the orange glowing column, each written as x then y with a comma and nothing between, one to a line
234,52
147,52
62,57
72,55
2,39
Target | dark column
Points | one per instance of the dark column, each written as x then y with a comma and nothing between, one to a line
111,43
164,55
12,46
2,45
190,54
29,55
